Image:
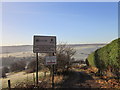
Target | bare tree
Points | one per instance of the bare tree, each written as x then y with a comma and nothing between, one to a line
64,56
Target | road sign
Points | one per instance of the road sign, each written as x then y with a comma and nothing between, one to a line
50,60
44,44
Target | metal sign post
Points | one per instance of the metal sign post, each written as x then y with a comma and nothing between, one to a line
37,69
53,75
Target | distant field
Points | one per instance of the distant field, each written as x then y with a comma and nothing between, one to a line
18,54
26,50
14,49
83,51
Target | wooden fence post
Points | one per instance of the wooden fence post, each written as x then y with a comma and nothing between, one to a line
34,78
9,85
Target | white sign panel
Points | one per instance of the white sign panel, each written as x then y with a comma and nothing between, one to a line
50,60
44,44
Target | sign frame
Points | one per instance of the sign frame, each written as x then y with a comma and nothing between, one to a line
50,60
44,44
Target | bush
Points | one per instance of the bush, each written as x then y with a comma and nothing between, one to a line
5,69
32,66
64,55
4,75
17,66
107,57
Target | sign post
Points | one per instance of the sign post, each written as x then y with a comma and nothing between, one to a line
45,44
53,75
37,69
51,60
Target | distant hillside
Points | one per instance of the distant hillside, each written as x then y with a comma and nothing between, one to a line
14,49
107,57
74,45
26,48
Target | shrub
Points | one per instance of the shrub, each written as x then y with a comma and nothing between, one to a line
32,66
64,55
5,69
17,66
107,57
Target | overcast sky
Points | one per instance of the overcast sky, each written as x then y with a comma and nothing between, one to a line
71,22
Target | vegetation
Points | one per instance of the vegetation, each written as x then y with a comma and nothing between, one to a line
107,57
64,55
21,79
7,61
5,69
78,73
17,66
32,66
3,72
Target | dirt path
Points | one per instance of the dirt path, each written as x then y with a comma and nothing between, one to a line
79,80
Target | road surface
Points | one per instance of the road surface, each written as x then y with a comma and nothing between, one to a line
79,80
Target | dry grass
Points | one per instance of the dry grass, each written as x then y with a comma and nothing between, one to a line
19,77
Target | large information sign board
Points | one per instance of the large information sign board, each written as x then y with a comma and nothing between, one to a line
44,44
50,60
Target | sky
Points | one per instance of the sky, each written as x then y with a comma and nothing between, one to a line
70,22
